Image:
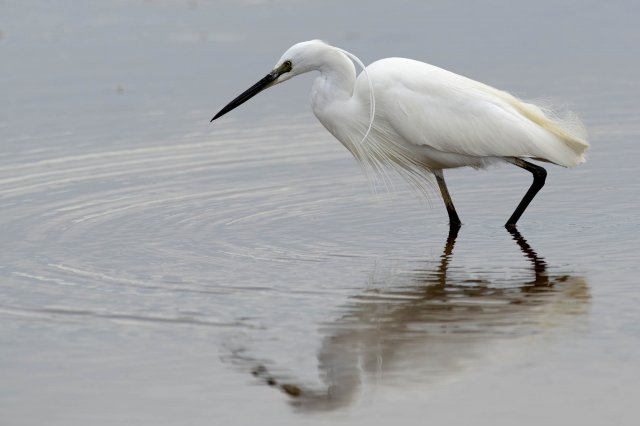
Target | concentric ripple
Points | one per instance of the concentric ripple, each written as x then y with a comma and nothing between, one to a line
201,213
261,235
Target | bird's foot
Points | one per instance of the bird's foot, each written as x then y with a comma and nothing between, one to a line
511,227
454,227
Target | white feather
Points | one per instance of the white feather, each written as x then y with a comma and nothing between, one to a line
414,119
427,118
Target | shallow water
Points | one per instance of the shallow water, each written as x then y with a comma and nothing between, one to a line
157,269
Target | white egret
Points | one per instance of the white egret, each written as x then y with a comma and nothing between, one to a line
418,119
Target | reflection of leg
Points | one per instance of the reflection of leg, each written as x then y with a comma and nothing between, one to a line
539,265
451,241
447,253
454,220
539,176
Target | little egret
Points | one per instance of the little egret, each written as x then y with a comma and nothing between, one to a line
418,119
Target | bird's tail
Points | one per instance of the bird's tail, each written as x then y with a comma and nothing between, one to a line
566,126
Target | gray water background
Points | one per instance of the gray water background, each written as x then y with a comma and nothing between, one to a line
156,269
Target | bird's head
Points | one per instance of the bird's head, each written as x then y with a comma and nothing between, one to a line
298,59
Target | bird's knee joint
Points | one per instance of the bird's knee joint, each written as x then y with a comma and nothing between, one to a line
540,175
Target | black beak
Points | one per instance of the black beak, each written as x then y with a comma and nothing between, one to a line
249,93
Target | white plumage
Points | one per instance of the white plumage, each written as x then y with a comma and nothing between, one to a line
421,119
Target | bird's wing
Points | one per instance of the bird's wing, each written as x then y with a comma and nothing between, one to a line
426,105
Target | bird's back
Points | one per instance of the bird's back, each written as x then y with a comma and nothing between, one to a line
430,107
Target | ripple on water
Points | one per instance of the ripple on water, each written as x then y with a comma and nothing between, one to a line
177,216
215,231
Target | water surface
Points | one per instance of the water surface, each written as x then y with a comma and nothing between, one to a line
157,269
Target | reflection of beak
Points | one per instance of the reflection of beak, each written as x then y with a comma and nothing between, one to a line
266,82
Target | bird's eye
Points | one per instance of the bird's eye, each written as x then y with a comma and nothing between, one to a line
287,65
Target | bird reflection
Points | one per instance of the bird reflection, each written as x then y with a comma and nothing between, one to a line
437,322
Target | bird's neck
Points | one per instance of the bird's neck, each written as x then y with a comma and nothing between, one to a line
336,81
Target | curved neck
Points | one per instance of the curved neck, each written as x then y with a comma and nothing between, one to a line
336,81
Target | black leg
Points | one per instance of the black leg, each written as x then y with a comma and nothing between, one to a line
454,220
539,176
